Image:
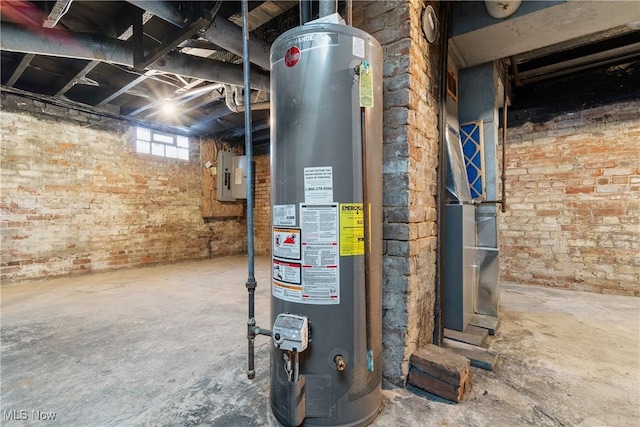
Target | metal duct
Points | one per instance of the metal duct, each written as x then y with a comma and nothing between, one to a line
222,32
207,69
62,43
228,35
163,10
327,7
231,100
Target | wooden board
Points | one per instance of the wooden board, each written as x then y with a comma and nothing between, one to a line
479,358
471,335
490,323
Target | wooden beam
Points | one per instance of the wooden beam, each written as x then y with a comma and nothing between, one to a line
124,88
138,38
171,43
87,68
24,63
59,9
124,16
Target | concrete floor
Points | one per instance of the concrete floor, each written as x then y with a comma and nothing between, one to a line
165,346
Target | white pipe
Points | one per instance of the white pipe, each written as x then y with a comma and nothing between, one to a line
234,106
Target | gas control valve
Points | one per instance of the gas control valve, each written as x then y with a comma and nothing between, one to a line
291,332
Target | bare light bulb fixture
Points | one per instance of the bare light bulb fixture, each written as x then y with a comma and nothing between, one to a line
168,107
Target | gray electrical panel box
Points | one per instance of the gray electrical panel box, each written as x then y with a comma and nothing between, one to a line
239,182
224,177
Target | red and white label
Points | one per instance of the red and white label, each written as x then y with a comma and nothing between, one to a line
292,56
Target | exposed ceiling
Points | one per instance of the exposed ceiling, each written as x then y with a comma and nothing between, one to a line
139,59
133,58
560,55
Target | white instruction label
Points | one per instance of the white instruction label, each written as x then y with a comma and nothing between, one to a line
284,215
358,47
286,291
318,185
320,254
285,271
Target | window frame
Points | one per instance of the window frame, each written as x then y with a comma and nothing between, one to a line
162,144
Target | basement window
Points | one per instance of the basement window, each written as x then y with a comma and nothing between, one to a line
149,141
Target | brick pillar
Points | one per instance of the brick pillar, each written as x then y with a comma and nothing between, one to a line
411,68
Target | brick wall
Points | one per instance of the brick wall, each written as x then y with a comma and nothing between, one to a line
76,198
262,204
573,202
411,77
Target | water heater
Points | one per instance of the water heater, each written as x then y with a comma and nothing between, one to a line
326,200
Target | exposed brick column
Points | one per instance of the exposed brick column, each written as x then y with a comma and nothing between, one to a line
410,161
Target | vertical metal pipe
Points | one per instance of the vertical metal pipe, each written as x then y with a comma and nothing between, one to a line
438,328
504,147
349,12
248,149
367,237
305,11
327,7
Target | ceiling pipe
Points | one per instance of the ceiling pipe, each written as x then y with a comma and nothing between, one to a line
162,9
62,43
327,7
222,32
305,11
231,99
209,69
228,36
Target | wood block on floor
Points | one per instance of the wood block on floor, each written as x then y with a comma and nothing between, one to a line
471,335
490,323
479,358
439,371
440,388
440,363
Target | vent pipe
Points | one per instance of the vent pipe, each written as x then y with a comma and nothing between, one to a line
305,11
90,47
327,7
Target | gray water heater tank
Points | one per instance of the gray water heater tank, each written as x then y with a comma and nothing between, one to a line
326,275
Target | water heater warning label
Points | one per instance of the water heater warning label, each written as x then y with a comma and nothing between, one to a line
320,258
286,243
284,271
316,278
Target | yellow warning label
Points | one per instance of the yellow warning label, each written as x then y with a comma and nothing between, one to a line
366,85
351,229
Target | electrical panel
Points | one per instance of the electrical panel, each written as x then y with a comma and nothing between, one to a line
231,177
239,184
224,177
